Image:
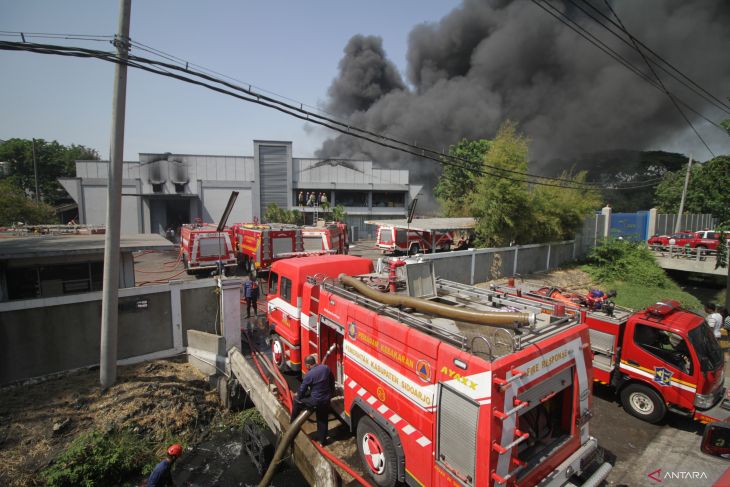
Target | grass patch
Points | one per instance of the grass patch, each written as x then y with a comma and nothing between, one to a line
630,269
97,458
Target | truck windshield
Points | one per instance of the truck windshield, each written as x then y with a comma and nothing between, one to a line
706,346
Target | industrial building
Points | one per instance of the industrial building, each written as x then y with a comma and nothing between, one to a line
162,191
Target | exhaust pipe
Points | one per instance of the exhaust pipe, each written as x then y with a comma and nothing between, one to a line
500,320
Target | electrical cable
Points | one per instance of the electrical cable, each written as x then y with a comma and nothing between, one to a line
717,102
580,30
142,64
659,80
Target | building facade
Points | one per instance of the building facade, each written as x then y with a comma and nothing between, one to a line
163,191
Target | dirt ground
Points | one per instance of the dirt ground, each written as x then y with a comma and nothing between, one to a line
164,400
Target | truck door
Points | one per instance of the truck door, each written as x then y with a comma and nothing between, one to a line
662,358
331,335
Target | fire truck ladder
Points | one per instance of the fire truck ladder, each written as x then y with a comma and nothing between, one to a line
420,324
266,245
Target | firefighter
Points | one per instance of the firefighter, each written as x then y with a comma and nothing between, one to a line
162,474
315,393
251,295
300,198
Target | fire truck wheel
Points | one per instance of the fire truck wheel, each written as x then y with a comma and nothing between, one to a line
643,402
414,249
277,353
377,452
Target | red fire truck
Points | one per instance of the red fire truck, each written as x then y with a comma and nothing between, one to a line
663,358
445,384
259,245
422,234
330,237
204,248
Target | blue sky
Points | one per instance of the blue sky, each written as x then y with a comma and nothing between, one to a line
291,48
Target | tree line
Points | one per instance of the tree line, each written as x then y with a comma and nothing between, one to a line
19,201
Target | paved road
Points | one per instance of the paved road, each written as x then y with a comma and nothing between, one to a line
640,448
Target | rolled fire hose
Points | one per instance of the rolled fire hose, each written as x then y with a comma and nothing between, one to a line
288,437
500,320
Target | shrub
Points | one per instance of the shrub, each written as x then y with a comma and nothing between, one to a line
95,458
620,260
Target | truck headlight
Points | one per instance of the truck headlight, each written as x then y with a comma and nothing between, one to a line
704,401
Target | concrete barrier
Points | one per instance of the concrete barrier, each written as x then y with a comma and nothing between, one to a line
313,466
206,352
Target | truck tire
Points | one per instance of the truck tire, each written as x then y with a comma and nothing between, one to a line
278,355
377,453
414,249
643,402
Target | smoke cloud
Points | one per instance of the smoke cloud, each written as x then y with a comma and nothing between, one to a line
489,61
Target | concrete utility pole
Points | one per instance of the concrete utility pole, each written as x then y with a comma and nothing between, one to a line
110,298
678,226
35,171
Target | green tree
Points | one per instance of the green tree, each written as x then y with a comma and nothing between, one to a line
275,214
338,213
508,209
53,160
459,178
16,207
560,211
502,206
707,191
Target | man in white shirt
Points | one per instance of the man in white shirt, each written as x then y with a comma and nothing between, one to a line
714,319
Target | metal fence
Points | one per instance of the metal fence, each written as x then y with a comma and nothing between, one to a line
666,223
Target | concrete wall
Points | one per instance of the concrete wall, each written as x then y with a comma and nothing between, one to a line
45,336
481,265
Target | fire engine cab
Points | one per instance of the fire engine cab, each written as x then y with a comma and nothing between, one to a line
663,358
204,248
441,383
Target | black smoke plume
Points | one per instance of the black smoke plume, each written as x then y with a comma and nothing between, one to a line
488,61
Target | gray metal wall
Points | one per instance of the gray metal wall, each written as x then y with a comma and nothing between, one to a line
273,162
46,336
666,223
481,265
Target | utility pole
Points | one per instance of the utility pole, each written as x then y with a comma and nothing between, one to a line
35,171
677,227
110,298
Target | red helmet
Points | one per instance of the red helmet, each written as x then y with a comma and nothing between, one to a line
175,450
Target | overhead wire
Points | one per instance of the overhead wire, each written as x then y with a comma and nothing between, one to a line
717,102
139,62
659,80
144,64
350,127
590,37
432,151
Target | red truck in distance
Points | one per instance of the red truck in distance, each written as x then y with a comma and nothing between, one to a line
658,360
203,248
260,245
704,239
456,386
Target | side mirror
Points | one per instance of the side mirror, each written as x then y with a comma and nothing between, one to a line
716,440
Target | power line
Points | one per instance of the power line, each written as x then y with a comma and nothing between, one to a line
416,147
350,127
659,80
717,102
144,64
587,35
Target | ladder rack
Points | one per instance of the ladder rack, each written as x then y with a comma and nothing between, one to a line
416,322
